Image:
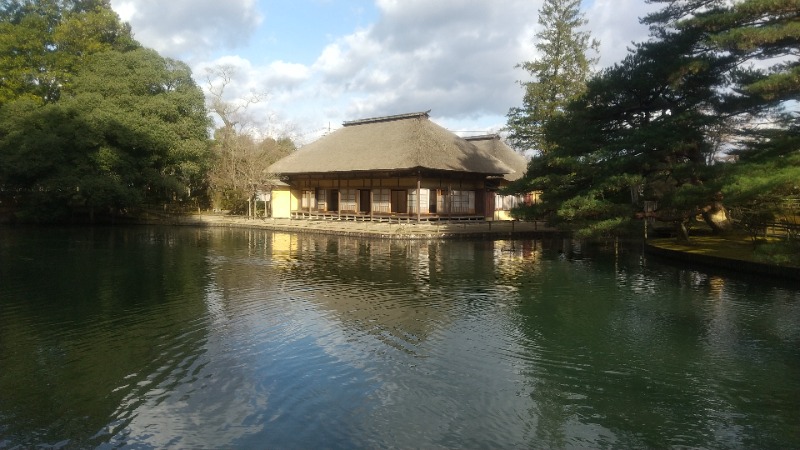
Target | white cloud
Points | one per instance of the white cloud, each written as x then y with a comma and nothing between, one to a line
190,29
449,56
348,55
615,23
455,57
331,60
284,74
125,9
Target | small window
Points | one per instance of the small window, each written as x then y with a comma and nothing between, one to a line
463,202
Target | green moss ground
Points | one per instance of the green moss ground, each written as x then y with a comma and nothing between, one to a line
735,247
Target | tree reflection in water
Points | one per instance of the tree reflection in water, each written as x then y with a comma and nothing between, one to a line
246,338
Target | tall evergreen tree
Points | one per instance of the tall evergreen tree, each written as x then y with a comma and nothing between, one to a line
559,75
763,30
764,37
647,128
637,134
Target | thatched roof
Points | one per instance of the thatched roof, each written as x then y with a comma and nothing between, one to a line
402,142
492,145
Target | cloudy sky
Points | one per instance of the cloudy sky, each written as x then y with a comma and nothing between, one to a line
322,62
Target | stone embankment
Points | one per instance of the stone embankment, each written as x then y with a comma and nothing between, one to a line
410,230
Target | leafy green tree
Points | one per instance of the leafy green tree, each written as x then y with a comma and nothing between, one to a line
43,43
130,131
94,123
559,75
149,106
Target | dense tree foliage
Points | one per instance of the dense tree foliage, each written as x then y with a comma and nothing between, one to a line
559,75
767,33
90,122
649,128
43,42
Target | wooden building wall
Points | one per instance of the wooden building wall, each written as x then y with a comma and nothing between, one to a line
456,194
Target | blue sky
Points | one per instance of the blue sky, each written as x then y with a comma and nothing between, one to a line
297,30
322,62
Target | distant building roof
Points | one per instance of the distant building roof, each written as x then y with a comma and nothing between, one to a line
405,141
491,144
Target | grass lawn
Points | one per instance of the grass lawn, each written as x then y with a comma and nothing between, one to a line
736,247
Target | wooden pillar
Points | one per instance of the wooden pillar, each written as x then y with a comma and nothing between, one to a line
449,200
371,203
419,200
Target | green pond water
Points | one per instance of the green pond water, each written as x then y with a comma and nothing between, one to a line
218,338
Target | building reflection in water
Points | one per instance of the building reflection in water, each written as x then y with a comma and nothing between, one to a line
399,290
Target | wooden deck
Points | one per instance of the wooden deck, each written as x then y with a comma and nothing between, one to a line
385,218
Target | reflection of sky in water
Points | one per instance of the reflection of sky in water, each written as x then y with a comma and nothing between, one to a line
262,373
291,352
320,341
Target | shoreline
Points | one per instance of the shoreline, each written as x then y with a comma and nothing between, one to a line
730,264
453,230
463,230
383,230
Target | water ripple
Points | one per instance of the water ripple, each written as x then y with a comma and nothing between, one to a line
221,338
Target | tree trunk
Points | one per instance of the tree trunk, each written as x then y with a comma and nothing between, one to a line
716,216
682,231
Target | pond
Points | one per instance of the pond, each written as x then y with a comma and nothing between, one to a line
187,337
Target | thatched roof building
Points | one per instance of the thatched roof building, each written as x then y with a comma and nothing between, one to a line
492,145
401,142
395,168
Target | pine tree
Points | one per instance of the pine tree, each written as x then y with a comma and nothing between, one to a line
559,75
764,37
765,30
636,135
647,128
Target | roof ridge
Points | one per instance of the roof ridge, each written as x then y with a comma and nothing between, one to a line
386,118
482,137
